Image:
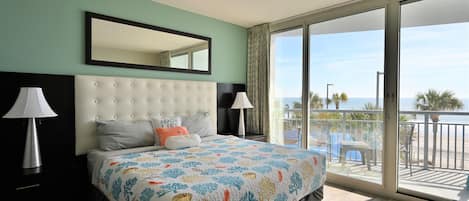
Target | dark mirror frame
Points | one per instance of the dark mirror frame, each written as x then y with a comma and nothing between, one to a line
88,39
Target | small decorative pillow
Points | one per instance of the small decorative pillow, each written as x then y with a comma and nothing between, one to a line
164,133
200,124
164,122
182,141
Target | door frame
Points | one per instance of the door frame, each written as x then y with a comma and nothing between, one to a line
389,186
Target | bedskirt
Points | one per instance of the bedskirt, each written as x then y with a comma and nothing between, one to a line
317,195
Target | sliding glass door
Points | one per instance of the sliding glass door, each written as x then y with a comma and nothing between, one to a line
388,95
286,77
434,99
346,118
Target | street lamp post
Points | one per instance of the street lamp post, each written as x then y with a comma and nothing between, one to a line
327,95
377,106
377,87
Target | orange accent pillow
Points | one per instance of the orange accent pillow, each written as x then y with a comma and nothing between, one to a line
164,133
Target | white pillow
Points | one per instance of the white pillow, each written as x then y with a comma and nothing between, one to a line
200,124
182,141
164,122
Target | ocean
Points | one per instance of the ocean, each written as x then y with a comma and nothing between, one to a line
406,104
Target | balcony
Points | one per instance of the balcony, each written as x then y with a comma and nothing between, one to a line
433,156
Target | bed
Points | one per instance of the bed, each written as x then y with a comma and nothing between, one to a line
221,168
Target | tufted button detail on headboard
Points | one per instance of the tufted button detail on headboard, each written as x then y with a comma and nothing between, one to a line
121,98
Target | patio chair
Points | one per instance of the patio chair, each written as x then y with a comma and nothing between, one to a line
406,132
361,146
361,142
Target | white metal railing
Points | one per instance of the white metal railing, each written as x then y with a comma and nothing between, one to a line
448,143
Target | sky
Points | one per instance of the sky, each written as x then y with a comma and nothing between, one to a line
432,57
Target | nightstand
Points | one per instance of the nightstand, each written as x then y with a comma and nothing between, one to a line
256,137
29,184
48,184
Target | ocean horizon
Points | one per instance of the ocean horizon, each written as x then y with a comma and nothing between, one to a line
406,104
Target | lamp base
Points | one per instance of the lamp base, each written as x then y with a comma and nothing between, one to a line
32,156
241,131
31,171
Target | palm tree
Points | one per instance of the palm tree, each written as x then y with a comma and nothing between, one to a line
432,100
315,101
364,115
328,101
338,98
297,109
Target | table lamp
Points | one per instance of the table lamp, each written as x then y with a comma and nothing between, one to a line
241,102
30,104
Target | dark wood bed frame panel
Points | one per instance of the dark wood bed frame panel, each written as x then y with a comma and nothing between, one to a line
57,135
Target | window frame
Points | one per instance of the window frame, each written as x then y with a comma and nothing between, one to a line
389,187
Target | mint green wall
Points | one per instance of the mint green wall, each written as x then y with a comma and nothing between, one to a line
47,36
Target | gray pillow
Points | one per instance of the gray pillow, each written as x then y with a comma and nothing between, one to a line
114,135
199,124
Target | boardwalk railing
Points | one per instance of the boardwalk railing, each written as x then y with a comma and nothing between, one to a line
441,144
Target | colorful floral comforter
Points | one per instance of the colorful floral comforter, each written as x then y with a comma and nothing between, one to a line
222,169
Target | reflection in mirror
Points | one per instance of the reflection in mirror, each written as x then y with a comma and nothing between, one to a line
116,42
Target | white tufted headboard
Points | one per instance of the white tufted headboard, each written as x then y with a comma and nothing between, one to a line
121,98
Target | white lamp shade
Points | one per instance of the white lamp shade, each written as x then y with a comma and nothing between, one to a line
241,101
30,103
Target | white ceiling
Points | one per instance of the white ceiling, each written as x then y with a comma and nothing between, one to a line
248,13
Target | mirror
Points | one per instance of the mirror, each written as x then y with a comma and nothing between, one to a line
117,42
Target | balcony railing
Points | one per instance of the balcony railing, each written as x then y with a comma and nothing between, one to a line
439,144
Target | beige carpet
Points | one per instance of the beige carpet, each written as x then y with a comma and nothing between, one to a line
336,194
